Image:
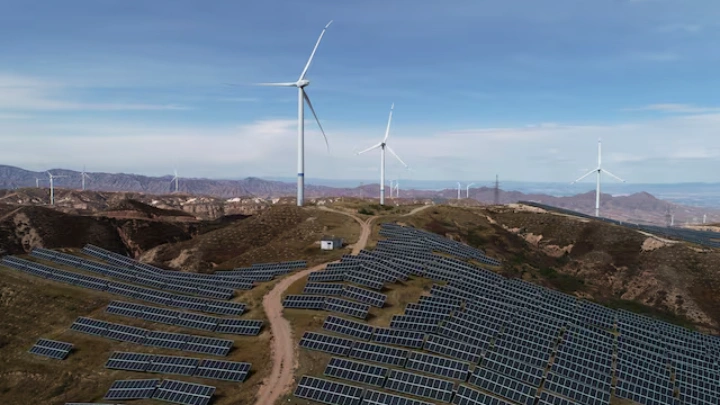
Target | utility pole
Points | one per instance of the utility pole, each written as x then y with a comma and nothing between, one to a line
496,199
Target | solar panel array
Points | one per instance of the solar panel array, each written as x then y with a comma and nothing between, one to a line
705,238
51,348
177,392
167,340
124,289
202,368
199,287
185,319
491,340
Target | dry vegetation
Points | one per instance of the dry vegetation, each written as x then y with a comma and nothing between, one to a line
276,234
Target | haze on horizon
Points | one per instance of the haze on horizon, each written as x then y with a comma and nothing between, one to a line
516,89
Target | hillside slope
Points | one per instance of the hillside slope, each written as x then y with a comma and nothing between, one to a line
275,234
613,265
25,227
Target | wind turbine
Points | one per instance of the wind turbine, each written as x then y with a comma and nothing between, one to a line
383,145
176,179
52,178
599,170
301,83
37,182
84,176
467,190
459,190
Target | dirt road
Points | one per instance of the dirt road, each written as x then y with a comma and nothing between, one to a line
284,356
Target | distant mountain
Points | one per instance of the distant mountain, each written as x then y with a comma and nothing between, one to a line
637,207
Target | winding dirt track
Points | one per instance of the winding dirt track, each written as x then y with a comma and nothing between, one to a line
284,357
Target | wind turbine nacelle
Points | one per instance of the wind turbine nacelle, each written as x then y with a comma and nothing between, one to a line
302,83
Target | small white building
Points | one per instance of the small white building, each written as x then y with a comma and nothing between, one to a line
330,243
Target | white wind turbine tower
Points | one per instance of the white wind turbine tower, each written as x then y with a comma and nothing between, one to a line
84,176
176,179
383,145
52,178
301,83
467,190
598,171
37,182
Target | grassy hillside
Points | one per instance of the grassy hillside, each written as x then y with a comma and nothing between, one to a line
276,234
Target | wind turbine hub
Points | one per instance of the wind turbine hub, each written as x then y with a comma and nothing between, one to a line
382,145
302,83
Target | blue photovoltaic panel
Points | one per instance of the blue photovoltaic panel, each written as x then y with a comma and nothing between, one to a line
132,389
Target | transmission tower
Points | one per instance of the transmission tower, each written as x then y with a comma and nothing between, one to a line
496,199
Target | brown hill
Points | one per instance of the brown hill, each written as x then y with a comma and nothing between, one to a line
610,264
275,234
25,227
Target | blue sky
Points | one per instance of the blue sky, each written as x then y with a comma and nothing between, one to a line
521,88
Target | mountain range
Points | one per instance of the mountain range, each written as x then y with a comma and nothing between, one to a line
636,207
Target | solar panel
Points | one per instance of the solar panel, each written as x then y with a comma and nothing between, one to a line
548,398
51,348
397,337
355,371
180,392
132,389
323,288
344,306
516,369
379,353
415,323
125,333
304,301
328,392
574,390
419,385
326,343
364,280
201,344
372,397
437,365
129,361
173,365
90,326
453,348
470,396
223,370
248,327
347,327
503,386
167,340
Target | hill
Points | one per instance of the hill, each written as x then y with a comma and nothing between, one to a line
209,199
613,265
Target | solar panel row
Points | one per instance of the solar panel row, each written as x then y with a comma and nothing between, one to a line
175,341
203,368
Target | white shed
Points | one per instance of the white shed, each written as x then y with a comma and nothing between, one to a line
330,243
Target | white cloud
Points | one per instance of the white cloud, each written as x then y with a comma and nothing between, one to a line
678,27
21,93
674,148
676,108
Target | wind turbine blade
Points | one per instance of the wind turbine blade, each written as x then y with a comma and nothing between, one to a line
612,175
585,175
312,55
307,99
387,130
370,148
395,154
284,84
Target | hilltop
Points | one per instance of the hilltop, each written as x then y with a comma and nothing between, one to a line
210,199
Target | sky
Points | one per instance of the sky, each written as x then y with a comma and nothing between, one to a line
521,88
